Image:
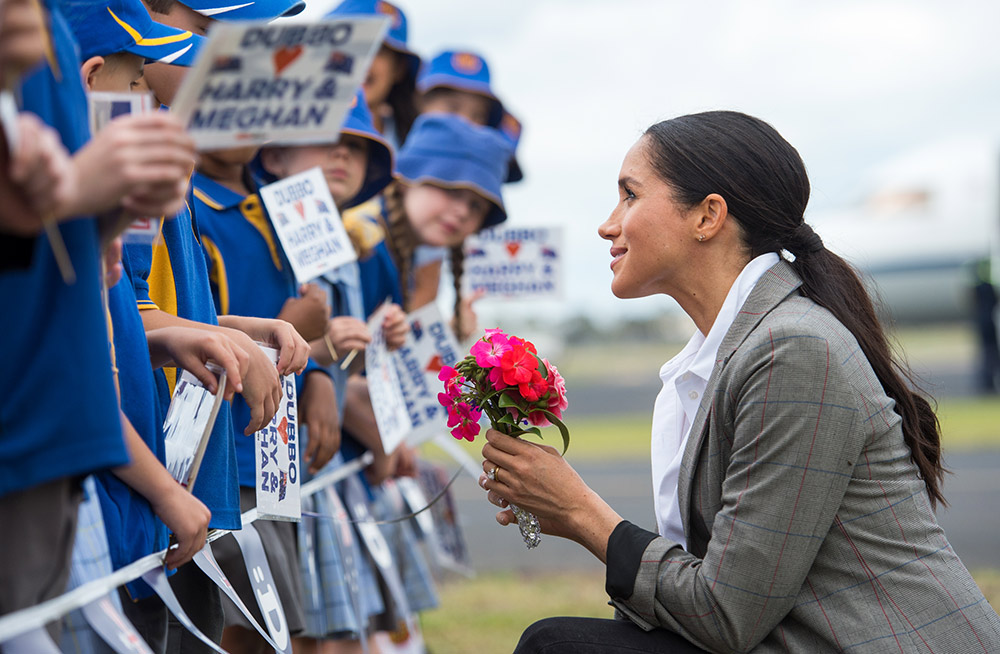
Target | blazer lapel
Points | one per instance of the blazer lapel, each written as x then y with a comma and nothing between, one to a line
773,287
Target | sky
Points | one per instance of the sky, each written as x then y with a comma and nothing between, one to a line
850,83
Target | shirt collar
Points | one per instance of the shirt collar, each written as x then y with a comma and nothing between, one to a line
214,194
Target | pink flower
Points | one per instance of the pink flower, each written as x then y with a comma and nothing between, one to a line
452,382
465,420
557,385
514,368
534,388
489,349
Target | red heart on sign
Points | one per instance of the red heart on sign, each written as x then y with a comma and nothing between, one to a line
300,208
513,248
284,56
283,430
435,364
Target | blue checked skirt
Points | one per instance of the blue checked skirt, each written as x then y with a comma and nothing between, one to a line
340,593
90,561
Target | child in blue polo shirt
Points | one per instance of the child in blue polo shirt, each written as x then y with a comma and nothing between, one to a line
390,83
357,167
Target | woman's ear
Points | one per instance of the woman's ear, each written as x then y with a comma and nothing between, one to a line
711,215
89,70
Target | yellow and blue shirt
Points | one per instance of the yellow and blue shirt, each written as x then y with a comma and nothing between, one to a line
58,409
171,275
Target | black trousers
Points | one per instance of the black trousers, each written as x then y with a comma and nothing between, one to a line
597,636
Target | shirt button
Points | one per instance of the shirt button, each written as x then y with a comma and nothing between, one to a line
693,395
686,376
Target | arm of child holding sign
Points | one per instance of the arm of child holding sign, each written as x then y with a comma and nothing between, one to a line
183,514
191,349
308,313
321,417
345,334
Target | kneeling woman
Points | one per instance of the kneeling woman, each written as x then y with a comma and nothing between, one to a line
795,469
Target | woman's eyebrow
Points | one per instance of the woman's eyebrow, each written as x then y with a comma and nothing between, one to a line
628,181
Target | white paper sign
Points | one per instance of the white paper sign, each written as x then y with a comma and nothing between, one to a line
280,82
189,423
429,346
277,456
308,225
515,262
383,387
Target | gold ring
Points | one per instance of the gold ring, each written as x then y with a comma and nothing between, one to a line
492,474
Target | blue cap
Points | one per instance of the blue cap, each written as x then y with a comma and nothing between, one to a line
244,9
396,36
108,27
380,159
510,129
450,152
461,71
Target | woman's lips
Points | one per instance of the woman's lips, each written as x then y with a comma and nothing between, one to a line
618,254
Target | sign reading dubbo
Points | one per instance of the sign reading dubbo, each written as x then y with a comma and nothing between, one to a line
308,224
516,262
280,82
277,456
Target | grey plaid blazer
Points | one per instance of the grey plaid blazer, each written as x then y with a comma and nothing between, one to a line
808,528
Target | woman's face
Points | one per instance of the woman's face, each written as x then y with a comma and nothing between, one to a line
344,164
652,237
386,69
444,217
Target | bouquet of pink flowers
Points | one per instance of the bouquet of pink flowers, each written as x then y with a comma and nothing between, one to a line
504,377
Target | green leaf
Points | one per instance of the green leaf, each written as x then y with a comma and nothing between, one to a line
507,419
563,430
507,401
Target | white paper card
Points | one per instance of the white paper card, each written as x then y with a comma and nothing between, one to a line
188,425
429,346
515,262
281,82
308,225
383,387
277,456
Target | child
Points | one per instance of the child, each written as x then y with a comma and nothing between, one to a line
357,167
458,82
390,84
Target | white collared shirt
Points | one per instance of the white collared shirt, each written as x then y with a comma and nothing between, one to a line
685,378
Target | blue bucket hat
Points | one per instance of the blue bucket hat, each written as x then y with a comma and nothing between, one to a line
245,9
450,152
510,129
380,170
380,158
395,39
461,71
113,26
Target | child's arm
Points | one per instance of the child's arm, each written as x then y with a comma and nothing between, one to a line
346,334
293,351
191,349
319,414
180,511
359,420
308,313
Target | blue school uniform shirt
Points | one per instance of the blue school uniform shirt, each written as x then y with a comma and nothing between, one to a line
171,275
58,409
249,277
133,529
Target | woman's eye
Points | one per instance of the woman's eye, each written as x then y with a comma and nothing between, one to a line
629,195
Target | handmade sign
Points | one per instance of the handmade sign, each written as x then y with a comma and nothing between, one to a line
308,225
280,82
391,415
188,425
429,346
515,262
277,456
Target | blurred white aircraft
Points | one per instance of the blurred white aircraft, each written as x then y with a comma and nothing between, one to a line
927,217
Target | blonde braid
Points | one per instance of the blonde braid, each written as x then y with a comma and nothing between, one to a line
401,238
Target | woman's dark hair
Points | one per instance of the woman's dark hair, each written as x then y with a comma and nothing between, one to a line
764,182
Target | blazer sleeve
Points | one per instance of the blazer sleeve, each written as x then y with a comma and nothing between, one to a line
787,405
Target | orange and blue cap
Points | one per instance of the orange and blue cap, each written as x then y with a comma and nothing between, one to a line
450,152
395,38
241,10
510,129
107,27
461,70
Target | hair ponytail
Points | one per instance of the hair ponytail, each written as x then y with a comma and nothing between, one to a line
401,239
764,182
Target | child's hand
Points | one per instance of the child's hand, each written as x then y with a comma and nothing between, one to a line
405,460
395,327
308,313
142,163
38,178
191,349
112,262
320,415
293,350
348,333
187,518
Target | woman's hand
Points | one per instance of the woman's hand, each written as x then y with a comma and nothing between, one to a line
539,480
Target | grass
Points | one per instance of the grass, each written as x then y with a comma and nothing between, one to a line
487,614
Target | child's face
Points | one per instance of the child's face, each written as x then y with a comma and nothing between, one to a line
444,217
387,68
344,164
473,107
165,79
120,73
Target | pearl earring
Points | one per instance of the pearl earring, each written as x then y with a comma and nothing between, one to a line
701,237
